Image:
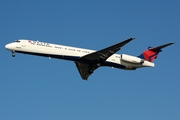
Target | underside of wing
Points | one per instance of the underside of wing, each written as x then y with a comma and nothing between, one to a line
93,60
105,53
85,69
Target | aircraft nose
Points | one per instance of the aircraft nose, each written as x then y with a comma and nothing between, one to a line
8,46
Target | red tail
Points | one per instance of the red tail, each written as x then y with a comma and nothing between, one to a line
151,53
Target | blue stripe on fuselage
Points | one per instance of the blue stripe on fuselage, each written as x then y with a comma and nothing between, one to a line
74,58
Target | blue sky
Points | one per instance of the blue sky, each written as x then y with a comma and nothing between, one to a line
38,88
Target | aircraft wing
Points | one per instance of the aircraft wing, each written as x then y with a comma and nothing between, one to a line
95,59
105,53
85,69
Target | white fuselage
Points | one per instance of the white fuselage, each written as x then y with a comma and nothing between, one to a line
122,61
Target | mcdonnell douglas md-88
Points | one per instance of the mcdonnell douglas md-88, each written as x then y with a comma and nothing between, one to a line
88,60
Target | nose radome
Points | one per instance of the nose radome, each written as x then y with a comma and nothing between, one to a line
8,46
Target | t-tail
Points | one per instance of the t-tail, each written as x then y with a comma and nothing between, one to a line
152,52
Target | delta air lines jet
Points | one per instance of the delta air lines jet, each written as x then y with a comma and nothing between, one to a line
88,60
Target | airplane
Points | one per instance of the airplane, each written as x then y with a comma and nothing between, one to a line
87,60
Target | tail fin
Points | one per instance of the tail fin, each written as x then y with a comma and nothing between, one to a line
151,53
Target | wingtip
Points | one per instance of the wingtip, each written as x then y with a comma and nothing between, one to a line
171,43
132,38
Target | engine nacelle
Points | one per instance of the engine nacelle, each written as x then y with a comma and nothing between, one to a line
131,59
131,62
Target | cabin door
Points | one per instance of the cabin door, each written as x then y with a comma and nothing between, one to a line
23,43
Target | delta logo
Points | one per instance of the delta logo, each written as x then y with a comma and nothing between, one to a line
29,41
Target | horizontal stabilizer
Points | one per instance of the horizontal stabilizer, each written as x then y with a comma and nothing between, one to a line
151,53
160,47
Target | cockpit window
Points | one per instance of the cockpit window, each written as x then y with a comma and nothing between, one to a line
17,41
